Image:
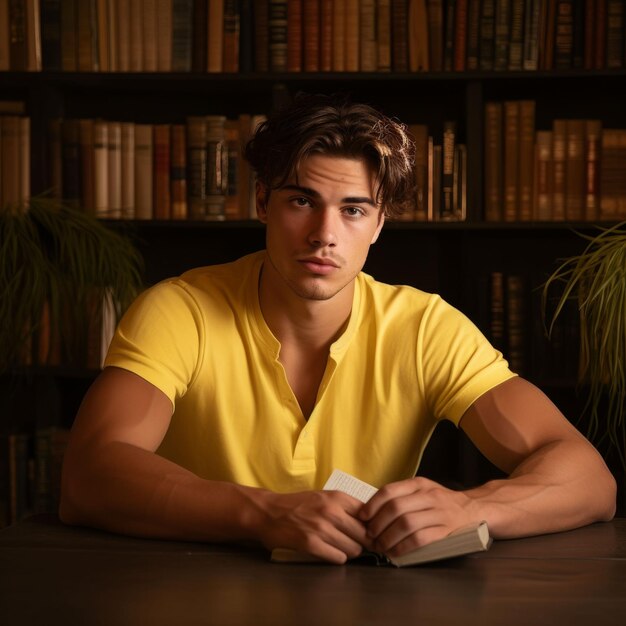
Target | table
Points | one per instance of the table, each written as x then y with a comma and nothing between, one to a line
51,573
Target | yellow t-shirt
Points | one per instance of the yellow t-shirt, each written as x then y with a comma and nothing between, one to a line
405,360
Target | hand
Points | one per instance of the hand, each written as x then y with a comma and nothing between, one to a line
321,523
405,515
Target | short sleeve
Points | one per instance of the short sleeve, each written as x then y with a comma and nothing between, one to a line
160,338
458,363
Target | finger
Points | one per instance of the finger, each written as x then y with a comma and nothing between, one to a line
393,545
386,494
397,508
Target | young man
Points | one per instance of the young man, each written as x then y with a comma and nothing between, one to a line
230,393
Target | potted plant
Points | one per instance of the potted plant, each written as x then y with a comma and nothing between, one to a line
596,281
59,267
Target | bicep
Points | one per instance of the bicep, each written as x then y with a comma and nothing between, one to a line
121,406
513,420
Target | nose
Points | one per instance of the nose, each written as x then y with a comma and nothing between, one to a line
323,229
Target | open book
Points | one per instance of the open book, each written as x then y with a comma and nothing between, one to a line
465,540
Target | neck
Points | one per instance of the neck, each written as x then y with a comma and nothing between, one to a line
310,323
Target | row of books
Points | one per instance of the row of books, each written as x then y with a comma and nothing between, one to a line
576,171
310,35
127,170
515,326
14,154
30,472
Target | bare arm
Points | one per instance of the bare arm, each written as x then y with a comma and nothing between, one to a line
557,480
112,479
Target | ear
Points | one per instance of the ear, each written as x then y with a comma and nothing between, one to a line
381,222
261,195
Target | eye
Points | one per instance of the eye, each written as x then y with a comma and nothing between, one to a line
301,201
354,211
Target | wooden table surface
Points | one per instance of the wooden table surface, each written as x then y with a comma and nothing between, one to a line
51,573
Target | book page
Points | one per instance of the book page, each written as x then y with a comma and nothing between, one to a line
340,481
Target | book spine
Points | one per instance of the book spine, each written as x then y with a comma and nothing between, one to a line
178,173
516,320
87,37
114,138
502,25
277,25
593,132
447,171
460,36
144,173
487,35
611,174
18,42
123,18
559,155
575,170
493,161
339,33
516,35
217,167
326,35
50,35
102,32
199,22
128,169
101,168
231,138
526,158
24,156
511,160
196,166
473,34
614,34
294,35
149,35
420,136
448,35
161,168
164,35
532,13
590,43
564,35
261,39
246,36
183,45
383,34
310,29
351,42
600,34
418,36
367,36
543,176
69,45
215,36
135,36
399,36
231,36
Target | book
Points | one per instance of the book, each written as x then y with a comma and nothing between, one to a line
5,56
308,51
383,35
294,36
215,36
418,36
493,161
464,540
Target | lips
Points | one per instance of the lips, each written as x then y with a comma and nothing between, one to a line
319,265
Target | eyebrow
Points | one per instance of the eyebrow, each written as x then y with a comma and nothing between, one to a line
315,194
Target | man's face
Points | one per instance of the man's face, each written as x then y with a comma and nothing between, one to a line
320,226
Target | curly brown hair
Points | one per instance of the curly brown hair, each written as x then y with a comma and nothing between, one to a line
333,126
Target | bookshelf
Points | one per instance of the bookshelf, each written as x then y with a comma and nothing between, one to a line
457,259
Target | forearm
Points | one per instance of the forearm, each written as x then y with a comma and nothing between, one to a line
123,488
561,486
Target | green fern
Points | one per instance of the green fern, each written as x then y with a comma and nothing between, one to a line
596,281
57,256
